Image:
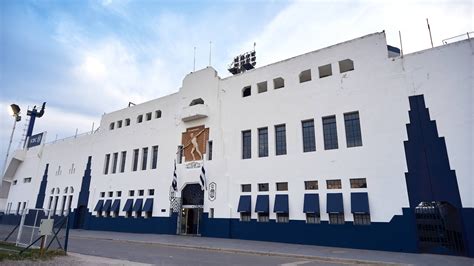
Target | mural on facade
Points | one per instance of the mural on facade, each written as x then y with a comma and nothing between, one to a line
194,142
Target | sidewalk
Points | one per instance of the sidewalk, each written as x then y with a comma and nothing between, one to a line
330,254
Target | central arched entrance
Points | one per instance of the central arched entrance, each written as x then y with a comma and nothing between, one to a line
192,204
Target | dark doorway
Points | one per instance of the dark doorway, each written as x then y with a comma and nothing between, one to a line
80,217
191,210
439,228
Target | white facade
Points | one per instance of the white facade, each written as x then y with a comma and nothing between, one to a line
378,88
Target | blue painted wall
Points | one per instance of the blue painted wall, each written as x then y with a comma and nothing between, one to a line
42,189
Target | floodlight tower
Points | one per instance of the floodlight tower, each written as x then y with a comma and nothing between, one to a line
33,114
243,62
14,111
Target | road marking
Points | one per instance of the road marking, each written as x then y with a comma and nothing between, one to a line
296,263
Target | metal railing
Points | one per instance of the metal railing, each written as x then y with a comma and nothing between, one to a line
459,37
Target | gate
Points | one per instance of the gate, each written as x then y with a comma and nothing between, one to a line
439,228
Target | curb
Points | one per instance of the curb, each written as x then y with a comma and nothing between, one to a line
251,252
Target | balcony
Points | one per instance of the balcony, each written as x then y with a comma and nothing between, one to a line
194,112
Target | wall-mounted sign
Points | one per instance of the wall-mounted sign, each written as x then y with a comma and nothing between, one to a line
193,165
35,140
212,191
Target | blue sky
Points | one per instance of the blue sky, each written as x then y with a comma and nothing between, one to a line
89,57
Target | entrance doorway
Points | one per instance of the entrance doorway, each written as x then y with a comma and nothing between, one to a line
190,220
191,211
439,228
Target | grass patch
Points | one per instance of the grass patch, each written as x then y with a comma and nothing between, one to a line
9,251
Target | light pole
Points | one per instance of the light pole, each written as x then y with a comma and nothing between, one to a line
15,112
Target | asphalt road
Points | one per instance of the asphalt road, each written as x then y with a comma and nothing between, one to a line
164,255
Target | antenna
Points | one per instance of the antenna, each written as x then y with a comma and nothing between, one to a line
210,52
429,30
194,64
401,46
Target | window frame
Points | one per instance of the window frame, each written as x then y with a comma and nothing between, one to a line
262,142
280,140
246,144
330,137
309,135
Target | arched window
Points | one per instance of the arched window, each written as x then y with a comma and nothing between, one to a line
57,190
247,91
66,189
52,191
196,101
71,190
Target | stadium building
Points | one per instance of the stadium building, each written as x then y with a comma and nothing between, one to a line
355,145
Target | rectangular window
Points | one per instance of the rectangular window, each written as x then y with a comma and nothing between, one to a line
336,218
139,118
309,140
282,186
211,213
311,185
325,71
114,162
280,139
148,116
154,157
127,122
305,75
141,192
246,188
151,192
27,180
106,164
361,219
263,217
122,161
63,206
278,83
180,154
102,194
334,184
118,193
14,182
246,144
144,158
131,193
346,65
330,132
263,142
358,183
119,124
135,160
262,87
263,187
282,218
209,150
245,216
313,218
352,125
111,194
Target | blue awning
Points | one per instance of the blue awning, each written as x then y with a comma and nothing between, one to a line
148,207
262,204
98,207
107,205
335,203
128,205
245,204
115,206
360,202
137,207
311,203
281,204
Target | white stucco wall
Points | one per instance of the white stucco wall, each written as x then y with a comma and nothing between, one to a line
378,88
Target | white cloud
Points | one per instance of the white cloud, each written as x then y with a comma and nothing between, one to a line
306,26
